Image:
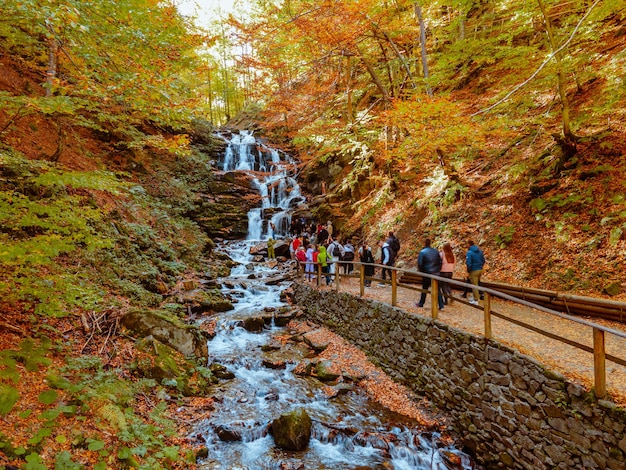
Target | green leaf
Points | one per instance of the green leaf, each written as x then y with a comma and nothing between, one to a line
64,461
8,398
124,453
95,445
34,462
48,397
50,415
40,436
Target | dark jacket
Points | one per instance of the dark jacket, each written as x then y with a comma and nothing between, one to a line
429,261
474,259
367,258
389,256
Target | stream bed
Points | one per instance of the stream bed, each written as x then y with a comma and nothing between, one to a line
349,431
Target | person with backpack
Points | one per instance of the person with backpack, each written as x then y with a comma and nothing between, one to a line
475,261
394,243
367,258
335,253
429,262
389,259
322,259
348,257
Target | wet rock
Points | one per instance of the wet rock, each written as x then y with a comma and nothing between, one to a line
292,431
254,324
277,280
273,346
274,364
343,388
221,372
304,369
284,319
187,339
202,453
281,248
258,258
325,371
227,434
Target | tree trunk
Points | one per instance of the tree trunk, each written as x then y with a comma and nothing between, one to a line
568,135
420,19
374,76
53,54
349,103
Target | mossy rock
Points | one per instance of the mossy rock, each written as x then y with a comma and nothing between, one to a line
613,289
171,368
292,431
187,339
325,372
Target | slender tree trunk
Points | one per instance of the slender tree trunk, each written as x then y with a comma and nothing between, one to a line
567,131
349,103
375,77
53,54
420,19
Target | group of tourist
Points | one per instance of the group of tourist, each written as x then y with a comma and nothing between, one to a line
441,263
315,245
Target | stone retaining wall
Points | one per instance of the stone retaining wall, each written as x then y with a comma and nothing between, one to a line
510,411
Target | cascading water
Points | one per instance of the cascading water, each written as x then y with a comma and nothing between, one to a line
236,434
273,173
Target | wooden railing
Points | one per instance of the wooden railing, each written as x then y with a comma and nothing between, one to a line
598,350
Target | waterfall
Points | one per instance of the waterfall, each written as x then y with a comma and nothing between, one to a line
273,173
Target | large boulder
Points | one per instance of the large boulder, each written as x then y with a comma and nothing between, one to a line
186,339
292,431
169,367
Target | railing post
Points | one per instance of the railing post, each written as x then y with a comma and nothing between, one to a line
487,307
362,276
394,288
319,274
337,276
599,363
434,298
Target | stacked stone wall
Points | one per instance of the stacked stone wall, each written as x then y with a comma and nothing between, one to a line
510,411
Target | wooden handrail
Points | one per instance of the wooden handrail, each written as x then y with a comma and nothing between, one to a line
599,331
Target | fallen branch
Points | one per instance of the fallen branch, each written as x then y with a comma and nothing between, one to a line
12,328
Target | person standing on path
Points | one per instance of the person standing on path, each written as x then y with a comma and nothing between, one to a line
309,267
394,243
367,258
447,270
429,261
335,253
348,257
475,261
389,259
322,259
